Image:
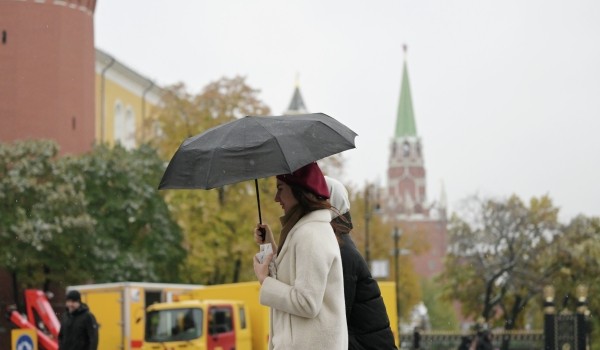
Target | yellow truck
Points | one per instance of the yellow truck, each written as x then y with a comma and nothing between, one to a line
199,324
223,317
120,309
388,292
226,316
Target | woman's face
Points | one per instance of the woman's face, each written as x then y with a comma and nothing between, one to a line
285,197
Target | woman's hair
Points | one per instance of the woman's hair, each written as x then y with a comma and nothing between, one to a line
308,201
342,224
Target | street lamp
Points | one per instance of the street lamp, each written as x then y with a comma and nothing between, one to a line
368,215
396,234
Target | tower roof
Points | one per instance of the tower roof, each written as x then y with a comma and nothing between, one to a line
297,105
405,120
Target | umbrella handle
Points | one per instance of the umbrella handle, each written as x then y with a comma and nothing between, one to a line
262,230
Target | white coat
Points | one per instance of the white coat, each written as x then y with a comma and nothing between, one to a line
307,295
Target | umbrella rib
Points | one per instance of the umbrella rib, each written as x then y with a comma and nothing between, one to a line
214,151
335,131
322,123
274,137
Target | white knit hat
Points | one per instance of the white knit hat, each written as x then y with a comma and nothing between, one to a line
338,197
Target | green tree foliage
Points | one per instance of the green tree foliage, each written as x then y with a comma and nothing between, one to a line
498,258
135,237
217,223
91,218
45,230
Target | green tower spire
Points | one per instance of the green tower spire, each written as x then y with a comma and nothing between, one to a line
405,120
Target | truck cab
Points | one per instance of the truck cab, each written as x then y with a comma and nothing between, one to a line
197,324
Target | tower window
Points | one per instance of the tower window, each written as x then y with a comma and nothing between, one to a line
405,149
4,35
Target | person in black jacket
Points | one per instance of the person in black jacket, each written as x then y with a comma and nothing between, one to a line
466,343
484,341
366,316
79,329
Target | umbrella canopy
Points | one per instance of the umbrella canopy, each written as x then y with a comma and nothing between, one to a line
255,147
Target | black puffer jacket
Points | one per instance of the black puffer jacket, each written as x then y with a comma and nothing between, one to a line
366,316
79,330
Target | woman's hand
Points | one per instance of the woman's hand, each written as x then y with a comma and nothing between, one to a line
258,238
262,269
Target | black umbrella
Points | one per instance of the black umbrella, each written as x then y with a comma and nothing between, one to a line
255,147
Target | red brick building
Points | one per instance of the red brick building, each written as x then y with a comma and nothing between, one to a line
47,62
47,59
406,204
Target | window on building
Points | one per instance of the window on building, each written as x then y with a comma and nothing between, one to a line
124,126
129,128
405,149
118,122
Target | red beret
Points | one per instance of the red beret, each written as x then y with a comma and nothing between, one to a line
308,177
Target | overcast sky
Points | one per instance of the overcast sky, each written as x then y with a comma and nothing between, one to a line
506,93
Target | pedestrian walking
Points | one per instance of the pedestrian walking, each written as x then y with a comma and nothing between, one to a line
306,291
416,338
79,329
466,343
484,341
366,316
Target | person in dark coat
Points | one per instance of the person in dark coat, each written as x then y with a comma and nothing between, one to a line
485,341
79,329
366,315
465,343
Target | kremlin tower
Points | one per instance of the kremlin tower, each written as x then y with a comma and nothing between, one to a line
406,204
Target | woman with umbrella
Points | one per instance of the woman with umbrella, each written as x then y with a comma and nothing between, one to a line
306,293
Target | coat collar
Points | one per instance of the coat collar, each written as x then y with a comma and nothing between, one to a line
321,215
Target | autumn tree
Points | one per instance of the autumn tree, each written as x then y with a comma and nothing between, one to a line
183,114
45,228
217,223
577,252
496,264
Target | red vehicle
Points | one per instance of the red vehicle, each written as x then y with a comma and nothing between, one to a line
39,317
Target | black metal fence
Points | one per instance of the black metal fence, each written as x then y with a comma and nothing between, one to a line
437,340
